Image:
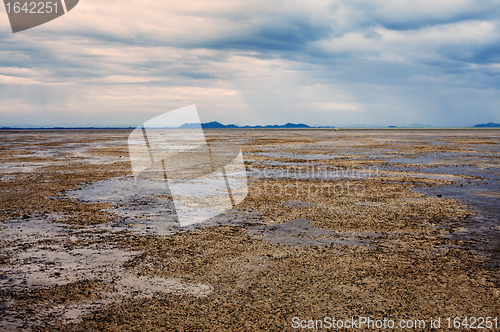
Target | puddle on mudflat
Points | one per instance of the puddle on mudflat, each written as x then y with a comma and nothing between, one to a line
309,172
47,263
412,199
33,263
481,230
124,286
436,176
475,182
370,203
479,188
31,230
301,233
295,155
38,257
449,159
144,207
56,149
55,265
300,204
30,167
283,163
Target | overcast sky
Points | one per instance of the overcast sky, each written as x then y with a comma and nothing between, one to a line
386,62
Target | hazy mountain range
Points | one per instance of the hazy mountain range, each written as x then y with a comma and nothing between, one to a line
487,125
218,125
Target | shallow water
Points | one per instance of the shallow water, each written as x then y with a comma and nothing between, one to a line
483,195
476,183
474,173
300,233
40,257
41,253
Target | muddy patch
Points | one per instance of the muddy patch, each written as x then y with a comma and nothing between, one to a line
301,233
54,258
82,250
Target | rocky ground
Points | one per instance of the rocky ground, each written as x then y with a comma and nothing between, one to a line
396,224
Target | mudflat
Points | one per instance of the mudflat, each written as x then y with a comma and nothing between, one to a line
393,224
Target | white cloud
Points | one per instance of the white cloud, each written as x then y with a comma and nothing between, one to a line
255,62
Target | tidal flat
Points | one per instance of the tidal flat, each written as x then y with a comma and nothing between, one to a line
380,223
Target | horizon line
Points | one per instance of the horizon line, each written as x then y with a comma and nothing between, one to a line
218,125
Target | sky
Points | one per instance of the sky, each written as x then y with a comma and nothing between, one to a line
338,63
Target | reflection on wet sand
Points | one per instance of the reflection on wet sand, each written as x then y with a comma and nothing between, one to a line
336,223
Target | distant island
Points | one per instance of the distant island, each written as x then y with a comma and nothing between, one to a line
208,125
487,125
218,125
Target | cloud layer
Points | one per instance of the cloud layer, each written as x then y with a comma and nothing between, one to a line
318,62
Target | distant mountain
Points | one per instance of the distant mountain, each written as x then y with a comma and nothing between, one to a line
208,125
288,125
418,125
195,125
218,125
487,125
413,125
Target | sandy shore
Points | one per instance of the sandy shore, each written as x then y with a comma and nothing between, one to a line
395,224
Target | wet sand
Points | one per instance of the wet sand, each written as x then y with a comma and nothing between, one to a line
401,224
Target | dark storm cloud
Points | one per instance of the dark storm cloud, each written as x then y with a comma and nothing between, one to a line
350,60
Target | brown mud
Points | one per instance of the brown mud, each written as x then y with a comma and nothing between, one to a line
373,223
